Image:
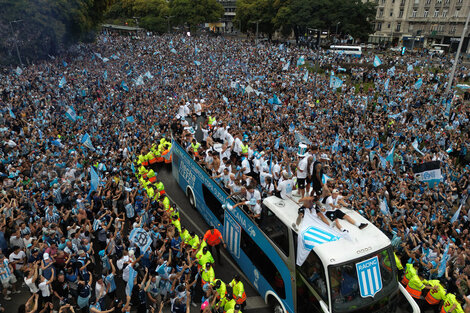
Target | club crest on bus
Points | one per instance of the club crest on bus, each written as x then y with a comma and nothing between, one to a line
368,275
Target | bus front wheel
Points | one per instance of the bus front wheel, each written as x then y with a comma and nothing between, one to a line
275,306
190,195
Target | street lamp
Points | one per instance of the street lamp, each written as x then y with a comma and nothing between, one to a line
337,24
257,23
168,21
16,40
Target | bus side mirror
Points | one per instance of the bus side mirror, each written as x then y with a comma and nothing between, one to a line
324,306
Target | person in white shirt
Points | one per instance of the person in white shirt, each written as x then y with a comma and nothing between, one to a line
246,169
253,201
17,258
286,186
44,287
31,277
332,211
302,171
197,108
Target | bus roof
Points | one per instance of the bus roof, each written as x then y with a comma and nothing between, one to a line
359,243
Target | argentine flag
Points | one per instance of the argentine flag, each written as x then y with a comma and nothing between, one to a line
86,141
62,82
130,282
377,61
71,114
301,61
313,232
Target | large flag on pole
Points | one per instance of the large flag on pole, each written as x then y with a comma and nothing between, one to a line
313,232
456,215
95,180
429,172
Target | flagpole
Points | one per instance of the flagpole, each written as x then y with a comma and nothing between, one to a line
457,55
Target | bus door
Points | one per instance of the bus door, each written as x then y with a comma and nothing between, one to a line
232,233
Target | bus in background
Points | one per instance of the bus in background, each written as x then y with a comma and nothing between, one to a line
355,51
345,275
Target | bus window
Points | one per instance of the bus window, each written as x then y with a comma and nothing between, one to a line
314,273
263,264
213,204
307,302
275,229
346,289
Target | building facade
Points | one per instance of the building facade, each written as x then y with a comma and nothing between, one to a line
421,23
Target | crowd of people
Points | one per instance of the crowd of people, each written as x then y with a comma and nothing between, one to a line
81,139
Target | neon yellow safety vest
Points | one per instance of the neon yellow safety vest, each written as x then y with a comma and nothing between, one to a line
244,148
194,242
195,147
211,120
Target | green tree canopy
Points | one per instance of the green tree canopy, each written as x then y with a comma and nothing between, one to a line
354,16
195,12
41,27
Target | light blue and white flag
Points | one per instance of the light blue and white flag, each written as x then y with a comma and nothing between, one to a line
325,178
418,83
335,82
277,143
86,141
141,239
197,63
377,61
173,50
225,99
370,145
130,282
130,119
12,115
313,232
305,78
387,84
71,114
341,69
139,81
409,68
148,75
383,161
18,71
384,207
62,82
391,71
105,75
124,86
428,172
196,50
94,179
436,85
414,144
291,128
443,264
286,66
301,61
299,138
64,63
456,215
390,154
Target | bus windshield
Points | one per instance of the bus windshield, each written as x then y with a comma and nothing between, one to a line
364,282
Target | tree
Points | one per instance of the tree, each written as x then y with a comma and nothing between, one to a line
355,17
195,12
42,27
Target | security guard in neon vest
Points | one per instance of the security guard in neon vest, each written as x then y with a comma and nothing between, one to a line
207,274
410,271
236,309
245,146
227,303
194,241
451,304
195,147
204,256
238,290
184,234
415,288
436,294
220,287
398,262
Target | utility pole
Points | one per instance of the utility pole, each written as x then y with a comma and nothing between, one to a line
16,41
457,55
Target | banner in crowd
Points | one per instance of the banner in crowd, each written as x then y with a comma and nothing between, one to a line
335,82
141,238
377,61
429,172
